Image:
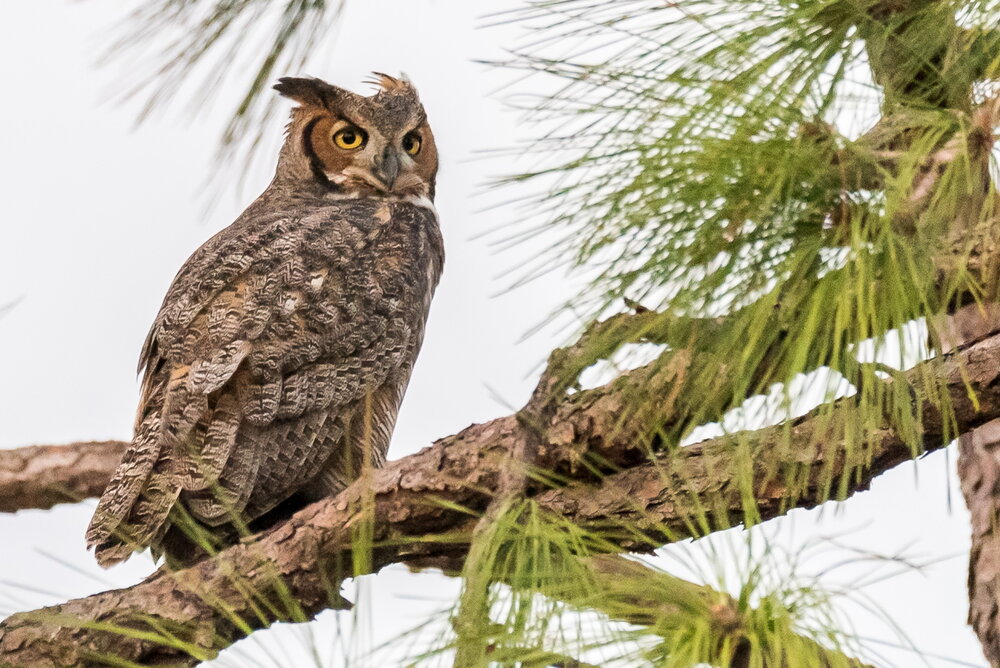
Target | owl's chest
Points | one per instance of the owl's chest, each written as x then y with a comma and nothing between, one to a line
389,260
403,254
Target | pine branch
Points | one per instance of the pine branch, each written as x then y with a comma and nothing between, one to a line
632,592
424,507
628,591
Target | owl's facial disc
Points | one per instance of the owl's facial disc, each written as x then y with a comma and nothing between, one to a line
361,159
362,146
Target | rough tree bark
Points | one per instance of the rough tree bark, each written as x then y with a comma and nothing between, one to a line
422,509
42,476
979,470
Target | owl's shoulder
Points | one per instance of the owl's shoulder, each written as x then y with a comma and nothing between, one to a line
282,239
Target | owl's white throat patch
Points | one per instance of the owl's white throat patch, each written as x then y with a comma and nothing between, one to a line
422,201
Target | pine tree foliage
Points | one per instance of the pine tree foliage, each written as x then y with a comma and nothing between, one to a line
783,189
788,185
213,41
529,576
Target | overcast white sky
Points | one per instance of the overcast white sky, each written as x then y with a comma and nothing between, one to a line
100,215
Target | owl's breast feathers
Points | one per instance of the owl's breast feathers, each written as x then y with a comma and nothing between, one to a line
277,361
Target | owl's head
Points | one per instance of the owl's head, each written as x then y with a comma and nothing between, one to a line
369,145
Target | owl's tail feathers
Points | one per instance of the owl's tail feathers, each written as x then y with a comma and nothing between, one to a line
134,508
146,522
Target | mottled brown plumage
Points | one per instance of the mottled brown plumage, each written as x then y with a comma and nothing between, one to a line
276,365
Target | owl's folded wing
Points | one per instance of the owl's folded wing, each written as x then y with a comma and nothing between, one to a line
259,343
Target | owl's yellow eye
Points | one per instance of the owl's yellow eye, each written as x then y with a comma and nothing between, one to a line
349,138
411,143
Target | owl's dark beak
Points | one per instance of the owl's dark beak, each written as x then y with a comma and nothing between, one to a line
387,167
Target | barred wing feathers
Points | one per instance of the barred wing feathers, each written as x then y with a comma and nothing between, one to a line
273,337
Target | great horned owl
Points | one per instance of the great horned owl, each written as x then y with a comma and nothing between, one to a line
276,365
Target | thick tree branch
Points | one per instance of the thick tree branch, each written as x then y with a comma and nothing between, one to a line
801,464
42,476
979,470
423,507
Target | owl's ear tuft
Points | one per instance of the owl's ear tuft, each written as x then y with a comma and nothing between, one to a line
311,91
389,84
